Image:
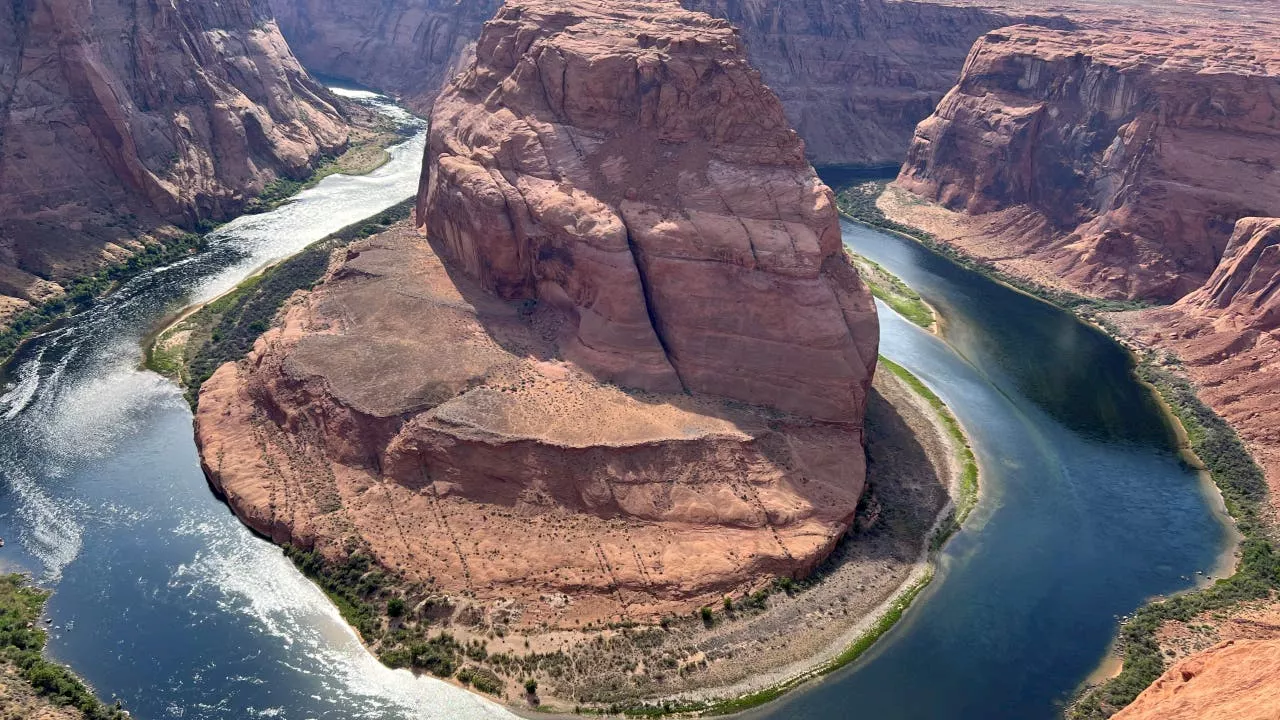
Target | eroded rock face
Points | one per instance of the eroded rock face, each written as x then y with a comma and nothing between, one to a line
117,117
1237,680
1128,156
855,77
616,213
630,168
410,48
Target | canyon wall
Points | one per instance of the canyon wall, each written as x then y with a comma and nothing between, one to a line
1116,162
117,117
624,373
855,76
409,48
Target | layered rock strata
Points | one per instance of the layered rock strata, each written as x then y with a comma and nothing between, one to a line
116,118
632,170
1116,162
623,375
855,77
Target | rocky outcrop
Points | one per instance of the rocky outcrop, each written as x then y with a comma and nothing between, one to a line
117,117
624,374
855,76
637,174
1226,335
1116,161
1245,287
1237,680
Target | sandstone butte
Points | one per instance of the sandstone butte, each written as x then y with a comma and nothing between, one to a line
103,140
624,372
853,77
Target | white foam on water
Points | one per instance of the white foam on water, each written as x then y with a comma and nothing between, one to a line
16,399
50,529
254,579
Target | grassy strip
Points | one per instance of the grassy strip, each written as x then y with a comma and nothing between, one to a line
22,643
226,328
858,203
964,451
82,292
890,289
1244,489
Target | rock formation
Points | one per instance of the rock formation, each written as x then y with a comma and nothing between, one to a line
116,118
1237,680
612,200
1114,161
655,193
854,77
1225,333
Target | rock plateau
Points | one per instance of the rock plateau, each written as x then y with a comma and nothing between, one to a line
625,372
117,118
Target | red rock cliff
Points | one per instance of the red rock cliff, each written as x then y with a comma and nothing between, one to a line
1128,155
856,77
647,183
116,117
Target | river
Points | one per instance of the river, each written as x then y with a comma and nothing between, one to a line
1085,513
163,599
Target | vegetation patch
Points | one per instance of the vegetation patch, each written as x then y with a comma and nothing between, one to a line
366,152
964,452
1257,576
890,290
225,329
22,643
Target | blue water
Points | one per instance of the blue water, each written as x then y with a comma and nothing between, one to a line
1085,511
